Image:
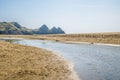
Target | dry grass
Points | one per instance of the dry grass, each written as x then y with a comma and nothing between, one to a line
18,62
108,38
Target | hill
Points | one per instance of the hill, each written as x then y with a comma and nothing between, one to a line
13,28
45,30
16,28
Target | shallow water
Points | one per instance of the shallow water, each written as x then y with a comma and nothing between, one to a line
91,62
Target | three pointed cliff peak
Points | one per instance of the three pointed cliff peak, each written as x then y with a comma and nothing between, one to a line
16,28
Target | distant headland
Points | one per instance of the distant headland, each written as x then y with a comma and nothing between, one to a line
16,28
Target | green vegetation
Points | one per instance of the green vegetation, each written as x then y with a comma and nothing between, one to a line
10,40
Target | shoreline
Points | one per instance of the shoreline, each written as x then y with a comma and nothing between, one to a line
65,71
72,42
62,41
111,39
74,75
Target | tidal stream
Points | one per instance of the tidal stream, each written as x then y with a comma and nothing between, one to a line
91,62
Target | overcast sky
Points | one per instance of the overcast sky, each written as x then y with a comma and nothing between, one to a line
73,16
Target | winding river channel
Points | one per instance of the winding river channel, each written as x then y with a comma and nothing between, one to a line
91,62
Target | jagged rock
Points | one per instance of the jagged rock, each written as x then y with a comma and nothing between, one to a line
55,30
16,24
60,31
43,29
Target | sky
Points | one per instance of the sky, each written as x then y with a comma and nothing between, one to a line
73,16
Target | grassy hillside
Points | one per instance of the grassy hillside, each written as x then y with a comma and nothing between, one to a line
18,62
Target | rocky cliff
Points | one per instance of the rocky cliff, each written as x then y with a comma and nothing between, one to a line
15,28
45,30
